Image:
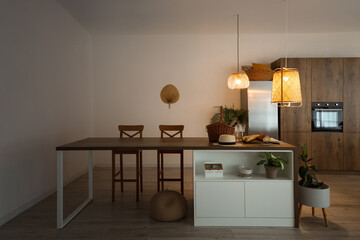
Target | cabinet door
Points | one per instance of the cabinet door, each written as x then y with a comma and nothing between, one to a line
298,119
219,199
327,77
269,199
351,94
297,139
352,151
327,150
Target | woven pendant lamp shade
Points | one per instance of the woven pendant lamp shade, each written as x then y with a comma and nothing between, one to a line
238,81
286,89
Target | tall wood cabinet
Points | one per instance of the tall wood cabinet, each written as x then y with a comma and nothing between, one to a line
325,80
351,113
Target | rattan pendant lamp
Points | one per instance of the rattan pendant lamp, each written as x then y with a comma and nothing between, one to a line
286,89
238,80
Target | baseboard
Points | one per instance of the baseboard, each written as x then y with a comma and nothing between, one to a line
35,200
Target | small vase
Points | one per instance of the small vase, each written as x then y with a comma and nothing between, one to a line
271,172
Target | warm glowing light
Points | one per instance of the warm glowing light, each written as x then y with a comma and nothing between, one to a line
238,81
286,89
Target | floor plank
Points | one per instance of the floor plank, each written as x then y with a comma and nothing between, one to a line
127,219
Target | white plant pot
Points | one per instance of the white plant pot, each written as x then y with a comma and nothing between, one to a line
315,197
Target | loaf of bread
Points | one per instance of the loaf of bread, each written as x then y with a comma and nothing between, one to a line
261,137
250,138
264,137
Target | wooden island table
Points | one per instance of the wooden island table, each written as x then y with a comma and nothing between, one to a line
228,201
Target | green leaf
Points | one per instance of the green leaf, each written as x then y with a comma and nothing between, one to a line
313,167
261,162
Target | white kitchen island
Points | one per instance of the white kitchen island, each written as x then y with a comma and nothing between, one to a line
233,200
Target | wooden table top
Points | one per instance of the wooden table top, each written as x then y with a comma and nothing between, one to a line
188,143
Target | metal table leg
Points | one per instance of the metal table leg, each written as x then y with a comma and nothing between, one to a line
61,222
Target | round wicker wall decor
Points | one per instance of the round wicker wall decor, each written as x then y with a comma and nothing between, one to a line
169,94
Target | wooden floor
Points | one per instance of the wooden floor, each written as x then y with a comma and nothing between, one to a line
126,219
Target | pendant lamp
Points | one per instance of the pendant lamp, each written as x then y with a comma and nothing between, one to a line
238,80
286,89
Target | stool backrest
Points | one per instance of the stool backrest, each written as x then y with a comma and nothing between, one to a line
125,129
165,129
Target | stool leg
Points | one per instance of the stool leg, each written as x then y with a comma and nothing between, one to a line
158,172
121,173
325,219
162,171
182,172
313,211
300,207
113,178
137,175
141,172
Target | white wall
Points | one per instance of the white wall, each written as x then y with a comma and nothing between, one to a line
45,99
130,71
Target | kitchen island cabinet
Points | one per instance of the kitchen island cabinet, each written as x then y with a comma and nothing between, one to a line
234,200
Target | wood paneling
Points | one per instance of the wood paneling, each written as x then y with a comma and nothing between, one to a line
327,150
327,76
351,94
297,139
298,119
352,151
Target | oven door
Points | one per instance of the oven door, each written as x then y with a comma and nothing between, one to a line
327,120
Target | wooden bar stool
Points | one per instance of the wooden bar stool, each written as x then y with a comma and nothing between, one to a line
130,131
168,131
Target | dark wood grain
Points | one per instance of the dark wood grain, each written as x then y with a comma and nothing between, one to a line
161,143
327,150
351,95
297,139
352,151
327,79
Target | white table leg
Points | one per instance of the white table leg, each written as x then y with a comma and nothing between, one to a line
60,197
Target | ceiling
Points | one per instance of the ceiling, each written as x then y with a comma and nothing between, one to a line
214,16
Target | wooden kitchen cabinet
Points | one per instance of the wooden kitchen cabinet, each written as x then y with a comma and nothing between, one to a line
297,139
327,76
327,150
297,119
352,95
352,151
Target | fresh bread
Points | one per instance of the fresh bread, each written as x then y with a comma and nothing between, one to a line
264,138
250,138
261,137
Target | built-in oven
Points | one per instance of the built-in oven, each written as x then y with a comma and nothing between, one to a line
327,116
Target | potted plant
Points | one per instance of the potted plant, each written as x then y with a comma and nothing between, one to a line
231,116
272,163
312,192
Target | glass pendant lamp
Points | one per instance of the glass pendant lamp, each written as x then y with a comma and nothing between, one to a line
286,89
238,80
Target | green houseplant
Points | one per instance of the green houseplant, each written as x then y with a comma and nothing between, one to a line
272,163
312,192
307,179
231,116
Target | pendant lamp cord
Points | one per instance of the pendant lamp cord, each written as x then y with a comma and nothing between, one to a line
286,31
238,43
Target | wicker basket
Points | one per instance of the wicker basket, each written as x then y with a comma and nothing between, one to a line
260,75
216,129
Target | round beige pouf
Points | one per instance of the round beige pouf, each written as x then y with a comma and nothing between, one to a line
168,206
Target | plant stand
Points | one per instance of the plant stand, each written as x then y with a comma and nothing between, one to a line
313,213
315,198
